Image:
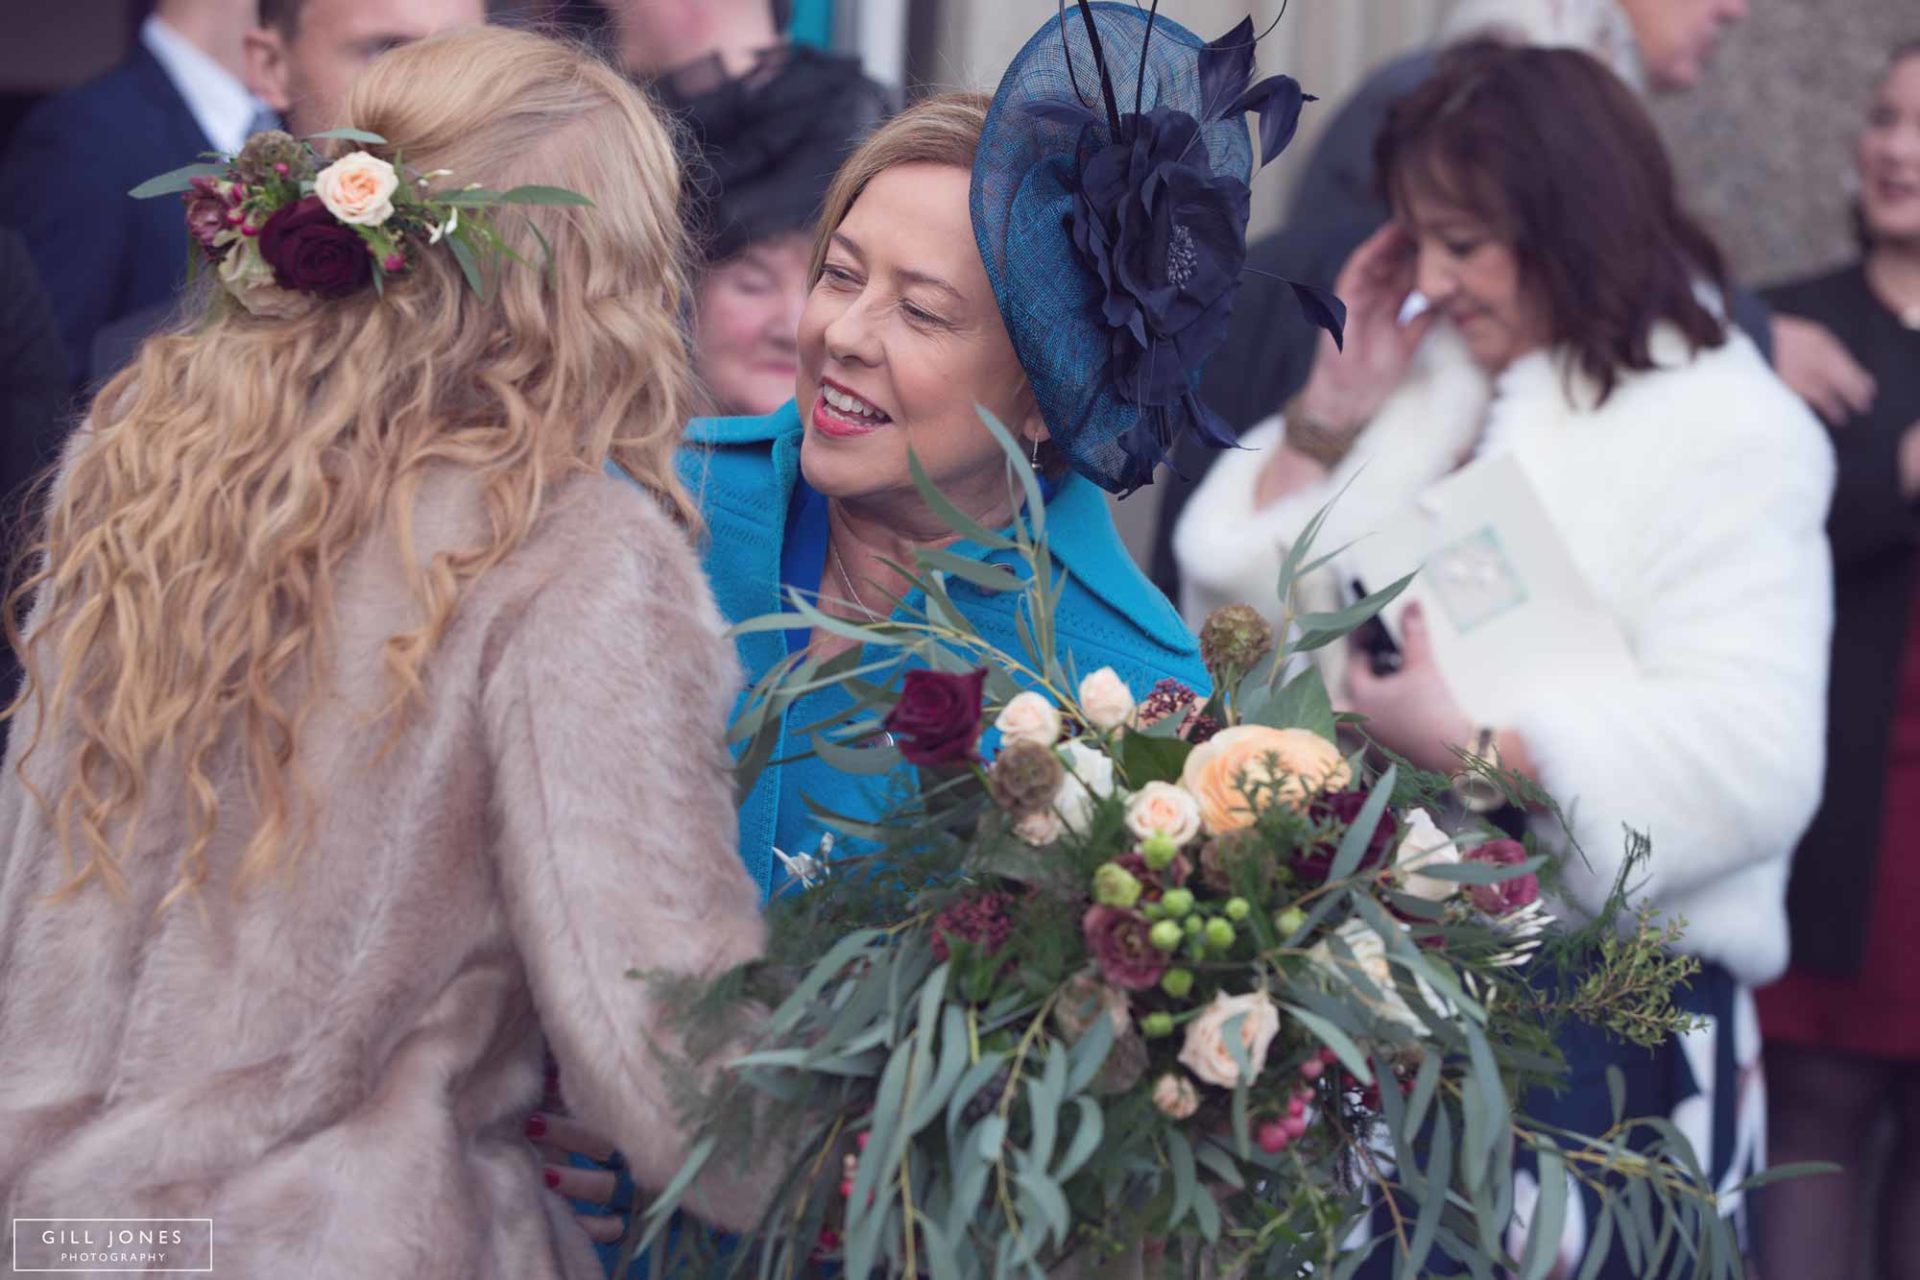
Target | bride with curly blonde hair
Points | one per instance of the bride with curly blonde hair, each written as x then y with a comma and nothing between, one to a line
372,731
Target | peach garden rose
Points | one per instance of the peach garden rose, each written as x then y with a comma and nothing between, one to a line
1207,1052
1106,700
1285,766
1162,809
1029,717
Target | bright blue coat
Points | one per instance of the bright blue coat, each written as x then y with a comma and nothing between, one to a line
742,472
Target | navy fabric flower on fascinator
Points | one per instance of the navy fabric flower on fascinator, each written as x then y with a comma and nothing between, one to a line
1110,204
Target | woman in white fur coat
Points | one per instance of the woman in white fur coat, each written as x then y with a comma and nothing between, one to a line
374,732
1570,327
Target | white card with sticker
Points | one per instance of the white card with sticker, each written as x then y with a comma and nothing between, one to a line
1509,612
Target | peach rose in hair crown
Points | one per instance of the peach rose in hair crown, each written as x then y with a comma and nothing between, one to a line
358,189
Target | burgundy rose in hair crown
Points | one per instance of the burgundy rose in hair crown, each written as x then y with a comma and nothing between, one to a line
285,227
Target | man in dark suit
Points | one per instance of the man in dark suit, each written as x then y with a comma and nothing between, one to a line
304,55
33,380
653,37
65,177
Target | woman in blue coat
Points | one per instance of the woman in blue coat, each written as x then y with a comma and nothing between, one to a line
906,335
770,529
1066,269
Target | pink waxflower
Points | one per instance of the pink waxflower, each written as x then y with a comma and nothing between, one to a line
207,208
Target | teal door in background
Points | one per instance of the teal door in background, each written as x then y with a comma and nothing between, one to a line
813,22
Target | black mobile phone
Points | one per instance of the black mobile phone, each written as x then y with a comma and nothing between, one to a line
1373,639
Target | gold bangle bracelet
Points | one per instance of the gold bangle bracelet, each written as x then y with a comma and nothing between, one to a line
1478,792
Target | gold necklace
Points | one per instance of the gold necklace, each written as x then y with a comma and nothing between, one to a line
847,579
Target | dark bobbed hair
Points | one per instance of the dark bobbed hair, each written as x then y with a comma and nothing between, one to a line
1553,150
759,150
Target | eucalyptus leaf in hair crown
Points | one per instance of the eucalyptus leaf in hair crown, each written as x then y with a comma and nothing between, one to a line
286,227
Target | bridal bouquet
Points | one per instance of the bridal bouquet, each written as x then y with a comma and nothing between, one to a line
1172,977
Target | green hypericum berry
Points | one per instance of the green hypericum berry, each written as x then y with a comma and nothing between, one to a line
1289,922
1193,925
1165,936
1177,983
1159,852
1219,933
1156,1026
1237,908
1177,901
1196,948
1153,911
1115,886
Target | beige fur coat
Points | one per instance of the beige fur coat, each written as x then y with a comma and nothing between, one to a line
336,1068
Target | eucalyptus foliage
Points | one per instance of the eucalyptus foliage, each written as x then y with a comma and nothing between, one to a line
986,1134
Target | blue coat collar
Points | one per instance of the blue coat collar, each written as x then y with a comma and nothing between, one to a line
1080,530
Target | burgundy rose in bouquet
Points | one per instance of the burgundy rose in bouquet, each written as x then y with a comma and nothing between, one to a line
937,720
1339,811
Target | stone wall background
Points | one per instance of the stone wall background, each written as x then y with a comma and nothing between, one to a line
1764,146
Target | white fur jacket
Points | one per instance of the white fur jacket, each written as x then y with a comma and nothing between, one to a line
337,1067
1694,502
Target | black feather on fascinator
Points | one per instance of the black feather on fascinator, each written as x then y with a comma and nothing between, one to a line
1117,146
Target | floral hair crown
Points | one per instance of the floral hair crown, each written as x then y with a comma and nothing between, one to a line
285,227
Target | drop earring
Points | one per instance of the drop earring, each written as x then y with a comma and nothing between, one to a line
1034,460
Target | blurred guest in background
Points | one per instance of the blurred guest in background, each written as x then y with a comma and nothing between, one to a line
1571,329
759,151
653,37
1654,45
33,384
66,174
1658,45
1843,1028
33,410
304,54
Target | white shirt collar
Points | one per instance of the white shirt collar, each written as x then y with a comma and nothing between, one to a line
220,103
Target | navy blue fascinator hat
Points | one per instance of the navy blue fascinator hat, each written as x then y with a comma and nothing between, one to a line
1110,203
